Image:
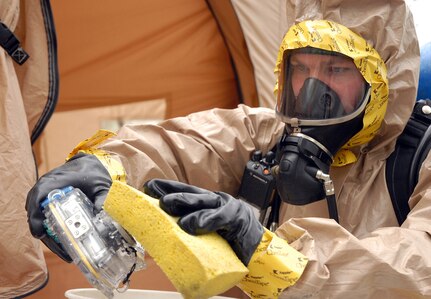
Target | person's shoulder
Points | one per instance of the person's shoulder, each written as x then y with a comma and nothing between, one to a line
254,110
238,113
240,109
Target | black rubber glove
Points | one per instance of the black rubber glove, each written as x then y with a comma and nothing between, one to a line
203,211
82,171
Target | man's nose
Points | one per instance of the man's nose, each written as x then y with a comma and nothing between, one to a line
316,73
320,75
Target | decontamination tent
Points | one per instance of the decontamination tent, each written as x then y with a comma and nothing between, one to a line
157,59
149,60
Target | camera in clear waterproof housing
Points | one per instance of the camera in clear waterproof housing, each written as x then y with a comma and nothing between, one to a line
258,187
102,249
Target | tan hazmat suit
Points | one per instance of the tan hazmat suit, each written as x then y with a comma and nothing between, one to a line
367,255
28,93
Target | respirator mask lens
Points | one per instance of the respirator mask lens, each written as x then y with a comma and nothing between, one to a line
318,87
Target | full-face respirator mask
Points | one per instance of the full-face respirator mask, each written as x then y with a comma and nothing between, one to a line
322,102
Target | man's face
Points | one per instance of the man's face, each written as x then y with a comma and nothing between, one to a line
339,73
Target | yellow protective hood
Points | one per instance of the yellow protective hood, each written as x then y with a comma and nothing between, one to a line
334,37
316,23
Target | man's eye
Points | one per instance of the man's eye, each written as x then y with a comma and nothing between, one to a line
299,67
339,70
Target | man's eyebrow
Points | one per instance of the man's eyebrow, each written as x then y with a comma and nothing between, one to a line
294,58
338,59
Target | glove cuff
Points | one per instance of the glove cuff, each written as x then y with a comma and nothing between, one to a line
274,266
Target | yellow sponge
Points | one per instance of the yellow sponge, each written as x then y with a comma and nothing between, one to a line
198,266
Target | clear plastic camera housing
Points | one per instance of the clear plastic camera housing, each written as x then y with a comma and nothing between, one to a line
102,250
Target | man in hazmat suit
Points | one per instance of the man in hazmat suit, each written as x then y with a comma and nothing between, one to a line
29,88
347,73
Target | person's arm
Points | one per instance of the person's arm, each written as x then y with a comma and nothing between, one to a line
391,262
208,149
